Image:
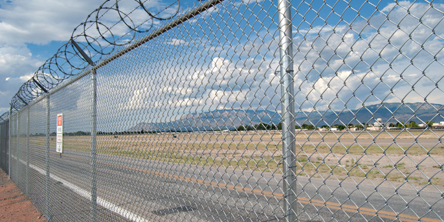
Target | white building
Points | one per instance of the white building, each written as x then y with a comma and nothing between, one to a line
378,123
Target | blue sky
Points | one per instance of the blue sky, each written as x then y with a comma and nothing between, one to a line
33,30
336,68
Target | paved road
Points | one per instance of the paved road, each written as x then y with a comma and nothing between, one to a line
137,189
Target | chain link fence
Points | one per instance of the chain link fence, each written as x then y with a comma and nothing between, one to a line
237,111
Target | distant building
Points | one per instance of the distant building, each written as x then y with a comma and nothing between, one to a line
378,123
374,128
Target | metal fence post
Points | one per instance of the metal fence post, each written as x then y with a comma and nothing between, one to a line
47,156
93,132
2,145
93,147
17,149
27,154
9,144
288,110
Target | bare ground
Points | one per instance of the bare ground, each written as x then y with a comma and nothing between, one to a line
14,205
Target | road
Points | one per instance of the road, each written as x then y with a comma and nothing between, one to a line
139,190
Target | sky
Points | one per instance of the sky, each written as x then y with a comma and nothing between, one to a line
33,30
388,52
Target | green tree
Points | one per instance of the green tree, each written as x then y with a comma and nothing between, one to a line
279,126
325,126
359,126
307,126
430,123
241,128
412,124
340,127
262,126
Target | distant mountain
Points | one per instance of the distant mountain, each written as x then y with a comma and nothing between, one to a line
214,120
388,112
229,119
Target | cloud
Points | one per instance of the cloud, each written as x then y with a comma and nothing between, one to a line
26,77
32,21
176,42
336,67
351,65
43,21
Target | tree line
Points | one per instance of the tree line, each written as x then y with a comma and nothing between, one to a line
260,126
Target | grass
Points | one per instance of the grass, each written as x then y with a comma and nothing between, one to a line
313,161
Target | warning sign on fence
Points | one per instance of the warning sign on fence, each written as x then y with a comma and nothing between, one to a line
59,144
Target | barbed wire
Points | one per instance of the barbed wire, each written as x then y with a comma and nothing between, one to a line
4,117
96,37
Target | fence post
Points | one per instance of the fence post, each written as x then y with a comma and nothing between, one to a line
93,147
47,156
93,131
27,153
9,144
288,110
17,149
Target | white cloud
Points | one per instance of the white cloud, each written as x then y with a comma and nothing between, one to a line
42,21
335,68
26,77
32,21
351,65
176,42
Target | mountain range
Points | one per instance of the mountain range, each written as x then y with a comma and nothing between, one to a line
230,119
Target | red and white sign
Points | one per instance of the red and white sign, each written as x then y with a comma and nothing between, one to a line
59,144
60,120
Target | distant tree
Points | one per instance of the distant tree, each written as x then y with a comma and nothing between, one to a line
307,126
430,123
262,126
241,128
340,127
245,128
400,125
412,124
273,126
359,126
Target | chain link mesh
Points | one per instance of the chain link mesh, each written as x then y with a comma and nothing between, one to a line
190,126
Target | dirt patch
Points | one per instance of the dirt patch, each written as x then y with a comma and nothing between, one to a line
14,205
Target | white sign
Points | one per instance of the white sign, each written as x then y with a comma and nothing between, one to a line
59,146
